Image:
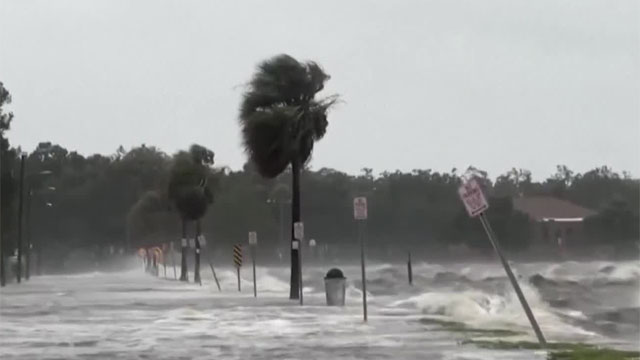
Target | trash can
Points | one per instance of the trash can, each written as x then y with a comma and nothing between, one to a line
335,287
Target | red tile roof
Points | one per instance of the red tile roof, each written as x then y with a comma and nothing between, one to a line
542,207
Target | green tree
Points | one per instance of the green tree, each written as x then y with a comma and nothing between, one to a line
189,191
281,119
6,178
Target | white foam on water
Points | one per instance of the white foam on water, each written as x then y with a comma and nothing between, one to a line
484,310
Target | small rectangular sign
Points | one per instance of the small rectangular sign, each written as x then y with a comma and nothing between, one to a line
253,238
360,208
298,230
295,245
473,198
202,240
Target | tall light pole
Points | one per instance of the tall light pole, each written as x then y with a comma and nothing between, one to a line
3,278
23,159
281,203
29,248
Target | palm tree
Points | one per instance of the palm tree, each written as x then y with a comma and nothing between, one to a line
189,192
281,119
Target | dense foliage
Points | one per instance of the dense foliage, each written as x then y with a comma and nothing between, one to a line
126,200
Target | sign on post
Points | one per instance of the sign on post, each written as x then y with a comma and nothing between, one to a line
202,240
360,214
237,260
298,230
312,243
476,204
237,255
473,198
360,208
253,238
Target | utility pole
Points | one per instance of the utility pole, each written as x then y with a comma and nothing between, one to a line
3,279
20,216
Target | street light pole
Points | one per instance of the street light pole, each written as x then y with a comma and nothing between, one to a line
20,216
28,221
27,271
3,278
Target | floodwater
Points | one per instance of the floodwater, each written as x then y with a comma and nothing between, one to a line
133,315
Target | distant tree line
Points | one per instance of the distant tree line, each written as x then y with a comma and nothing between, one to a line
124,200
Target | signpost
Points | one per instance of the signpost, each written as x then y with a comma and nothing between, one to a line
298,235
237,260
253,242
476,204
360,215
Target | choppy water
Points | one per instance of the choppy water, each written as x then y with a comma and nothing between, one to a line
132,315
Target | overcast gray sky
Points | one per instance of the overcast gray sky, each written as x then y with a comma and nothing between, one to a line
426,84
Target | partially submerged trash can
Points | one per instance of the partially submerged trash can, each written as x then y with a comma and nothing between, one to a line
335,287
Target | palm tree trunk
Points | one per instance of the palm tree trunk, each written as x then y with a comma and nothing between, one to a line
295,217
184,276
197,264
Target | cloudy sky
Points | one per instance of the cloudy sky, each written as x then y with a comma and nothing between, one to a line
425,84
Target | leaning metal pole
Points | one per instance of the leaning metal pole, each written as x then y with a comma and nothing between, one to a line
512,279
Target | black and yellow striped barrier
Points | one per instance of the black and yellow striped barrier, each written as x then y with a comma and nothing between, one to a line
237,260
237,255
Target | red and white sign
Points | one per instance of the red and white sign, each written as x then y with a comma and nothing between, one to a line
473,198
360,208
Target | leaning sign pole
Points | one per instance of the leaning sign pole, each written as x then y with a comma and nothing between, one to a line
476,205
360,215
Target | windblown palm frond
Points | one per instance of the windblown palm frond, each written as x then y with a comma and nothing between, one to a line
279,116
188,187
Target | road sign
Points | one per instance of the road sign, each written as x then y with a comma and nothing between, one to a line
202,240
473,198
295,244
298,230
253,238
312,243
360,208
237,255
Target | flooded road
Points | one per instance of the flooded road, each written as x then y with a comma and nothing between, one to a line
133,315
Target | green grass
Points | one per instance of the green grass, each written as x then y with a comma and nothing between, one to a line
454,326
560,350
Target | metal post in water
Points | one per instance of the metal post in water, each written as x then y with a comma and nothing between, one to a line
214,275
362,265
20,216
253,260
409,269
3,279
238,271
213,271
27,270
512,279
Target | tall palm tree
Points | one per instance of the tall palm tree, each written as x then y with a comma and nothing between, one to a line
189,192
281,119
